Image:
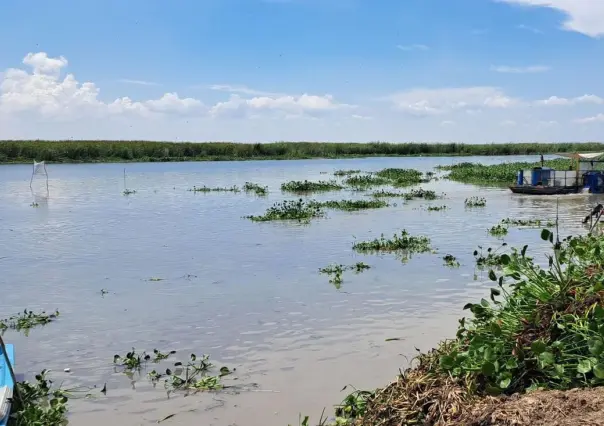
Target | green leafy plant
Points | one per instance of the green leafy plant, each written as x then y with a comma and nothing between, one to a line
528,222
352,205
421,193
451,261
492,258
27,320
401,177
436,208
403,243
365,181
346,172
299,210
255,188
335,272
39,403
217,189
308,186
127,192
499,230
475,202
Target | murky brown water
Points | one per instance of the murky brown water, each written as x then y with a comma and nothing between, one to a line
249,294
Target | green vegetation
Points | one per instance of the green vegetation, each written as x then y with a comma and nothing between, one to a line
365,181
218,189
475,202
499,230
299,210
128,192
528,222
27,320
436,208
39,403
257,189
404,243
451,261
497,173
421,193
388,194
346,172
492,258
34,204
401,177
335,272
118,151
308,186
351,205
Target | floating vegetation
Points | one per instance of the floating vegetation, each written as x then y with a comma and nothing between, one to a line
131,361
475,202
204,188
104,291
346,172
528,222
388,194
437,208
421,193
405,243
257,189
34,204
129,191
308,186
401,177
27,320
335,272
451,261
365,181
155,279
195,376
499,230
496,173
39,403
299,210
352,205
490,258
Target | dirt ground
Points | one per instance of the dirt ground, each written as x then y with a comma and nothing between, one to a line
583,407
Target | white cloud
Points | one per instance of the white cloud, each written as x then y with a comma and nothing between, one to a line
557,101
583,16
242,90
520,70
137,82
439,101
411,47
594,119
42,64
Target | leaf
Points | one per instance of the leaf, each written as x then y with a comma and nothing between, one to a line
446,362
484,303
559,370
523,252
496,329
468,306
599,370
547,358
538,347
511,364
545,234
305,421
584,366
505,259
495,292
505,379
488,369
492,275
599,312
595,346
493,390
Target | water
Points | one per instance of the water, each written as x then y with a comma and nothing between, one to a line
247,293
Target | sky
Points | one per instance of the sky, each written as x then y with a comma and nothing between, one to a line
475,71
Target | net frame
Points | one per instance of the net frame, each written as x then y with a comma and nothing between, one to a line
39,169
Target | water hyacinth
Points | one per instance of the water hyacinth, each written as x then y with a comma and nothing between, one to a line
309,186
351,205
299,210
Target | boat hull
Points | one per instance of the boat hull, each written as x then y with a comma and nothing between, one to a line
5,376
543,190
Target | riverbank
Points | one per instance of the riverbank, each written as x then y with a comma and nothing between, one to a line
148,151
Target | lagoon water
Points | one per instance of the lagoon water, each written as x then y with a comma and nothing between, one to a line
249,294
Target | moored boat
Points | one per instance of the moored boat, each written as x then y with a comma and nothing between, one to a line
7,360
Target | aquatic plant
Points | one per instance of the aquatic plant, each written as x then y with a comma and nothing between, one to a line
401,177
299,210
403,242
499,230
346,172
451,261
475,202
421,193
257,189
491,258
308,186
27,320
131,361
388,194
39,403
351,205
365,181
204,188
437,208
528,222
34,204
335,271
129,192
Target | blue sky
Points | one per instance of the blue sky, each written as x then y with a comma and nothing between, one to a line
339,70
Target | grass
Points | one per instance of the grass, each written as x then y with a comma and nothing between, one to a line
309,186
497,173
299,210
255,188
404,243
351,205
475,202
204,188
27,320
335,272
528,222
124,151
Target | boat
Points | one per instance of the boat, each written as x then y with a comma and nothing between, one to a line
6,381
547,181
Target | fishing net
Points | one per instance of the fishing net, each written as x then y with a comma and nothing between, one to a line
39,169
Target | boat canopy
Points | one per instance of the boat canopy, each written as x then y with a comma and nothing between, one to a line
583,155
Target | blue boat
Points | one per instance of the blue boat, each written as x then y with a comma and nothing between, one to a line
6,383
546,181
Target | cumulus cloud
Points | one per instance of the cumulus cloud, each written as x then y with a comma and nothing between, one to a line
557,101
594,119
439,101
583,16
520,70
